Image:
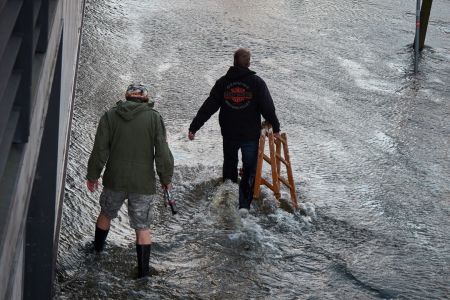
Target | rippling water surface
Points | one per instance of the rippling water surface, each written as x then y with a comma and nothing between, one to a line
369,143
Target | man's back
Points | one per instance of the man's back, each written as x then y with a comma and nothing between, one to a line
129,136
242,97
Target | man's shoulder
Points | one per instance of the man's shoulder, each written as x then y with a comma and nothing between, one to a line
113,108
153,114
256,77
108,112
253,77
153,111
221,79
114,113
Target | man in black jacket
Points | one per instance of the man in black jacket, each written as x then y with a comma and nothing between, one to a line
242,98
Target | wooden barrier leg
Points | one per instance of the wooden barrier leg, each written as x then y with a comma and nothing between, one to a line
278,145
274,160
273,163
259,165
289,172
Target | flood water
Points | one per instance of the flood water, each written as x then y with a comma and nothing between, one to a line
369,143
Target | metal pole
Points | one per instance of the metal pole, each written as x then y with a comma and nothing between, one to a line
424,17
417,39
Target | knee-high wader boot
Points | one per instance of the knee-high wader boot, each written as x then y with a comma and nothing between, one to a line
143,258
100,238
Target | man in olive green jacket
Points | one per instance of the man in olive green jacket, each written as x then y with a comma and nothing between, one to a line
131,141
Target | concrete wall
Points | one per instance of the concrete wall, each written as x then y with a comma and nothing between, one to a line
72,11
67,20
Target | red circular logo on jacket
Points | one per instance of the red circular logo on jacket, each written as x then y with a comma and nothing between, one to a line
237,95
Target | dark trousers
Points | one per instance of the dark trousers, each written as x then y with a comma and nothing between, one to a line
249,151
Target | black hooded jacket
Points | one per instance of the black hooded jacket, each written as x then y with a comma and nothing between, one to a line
242,97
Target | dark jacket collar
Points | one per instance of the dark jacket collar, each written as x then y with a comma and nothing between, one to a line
238,72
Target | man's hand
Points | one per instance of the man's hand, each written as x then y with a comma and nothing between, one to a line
92,185
276,135
166,187
168,200
191,135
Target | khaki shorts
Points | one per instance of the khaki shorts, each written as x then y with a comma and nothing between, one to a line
139,207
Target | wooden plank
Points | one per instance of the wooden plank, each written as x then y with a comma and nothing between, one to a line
289,172
282,139
278,155
259,164
286,183
282,159
266,183
8,17
273,164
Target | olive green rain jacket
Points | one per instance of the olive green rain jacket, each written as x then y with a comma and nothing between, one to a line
131,140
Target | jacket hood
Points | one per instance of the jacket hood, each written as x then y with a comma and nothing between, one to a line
129,109
238,72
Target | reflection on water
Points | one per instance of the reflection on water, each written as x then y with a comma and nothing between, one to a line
369,143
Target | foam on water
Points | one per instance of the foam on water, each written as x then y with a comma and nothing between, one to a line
363,77
224,206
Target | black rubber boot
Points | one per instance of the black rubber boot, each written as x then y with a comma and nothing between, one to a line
143,258
100,238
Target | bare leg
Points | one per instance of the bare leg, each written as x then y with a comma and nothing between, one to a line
103,222
143,237
101,232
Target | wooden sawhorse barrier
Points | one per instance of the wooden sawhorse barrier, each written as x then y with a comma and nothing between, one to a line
275,158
